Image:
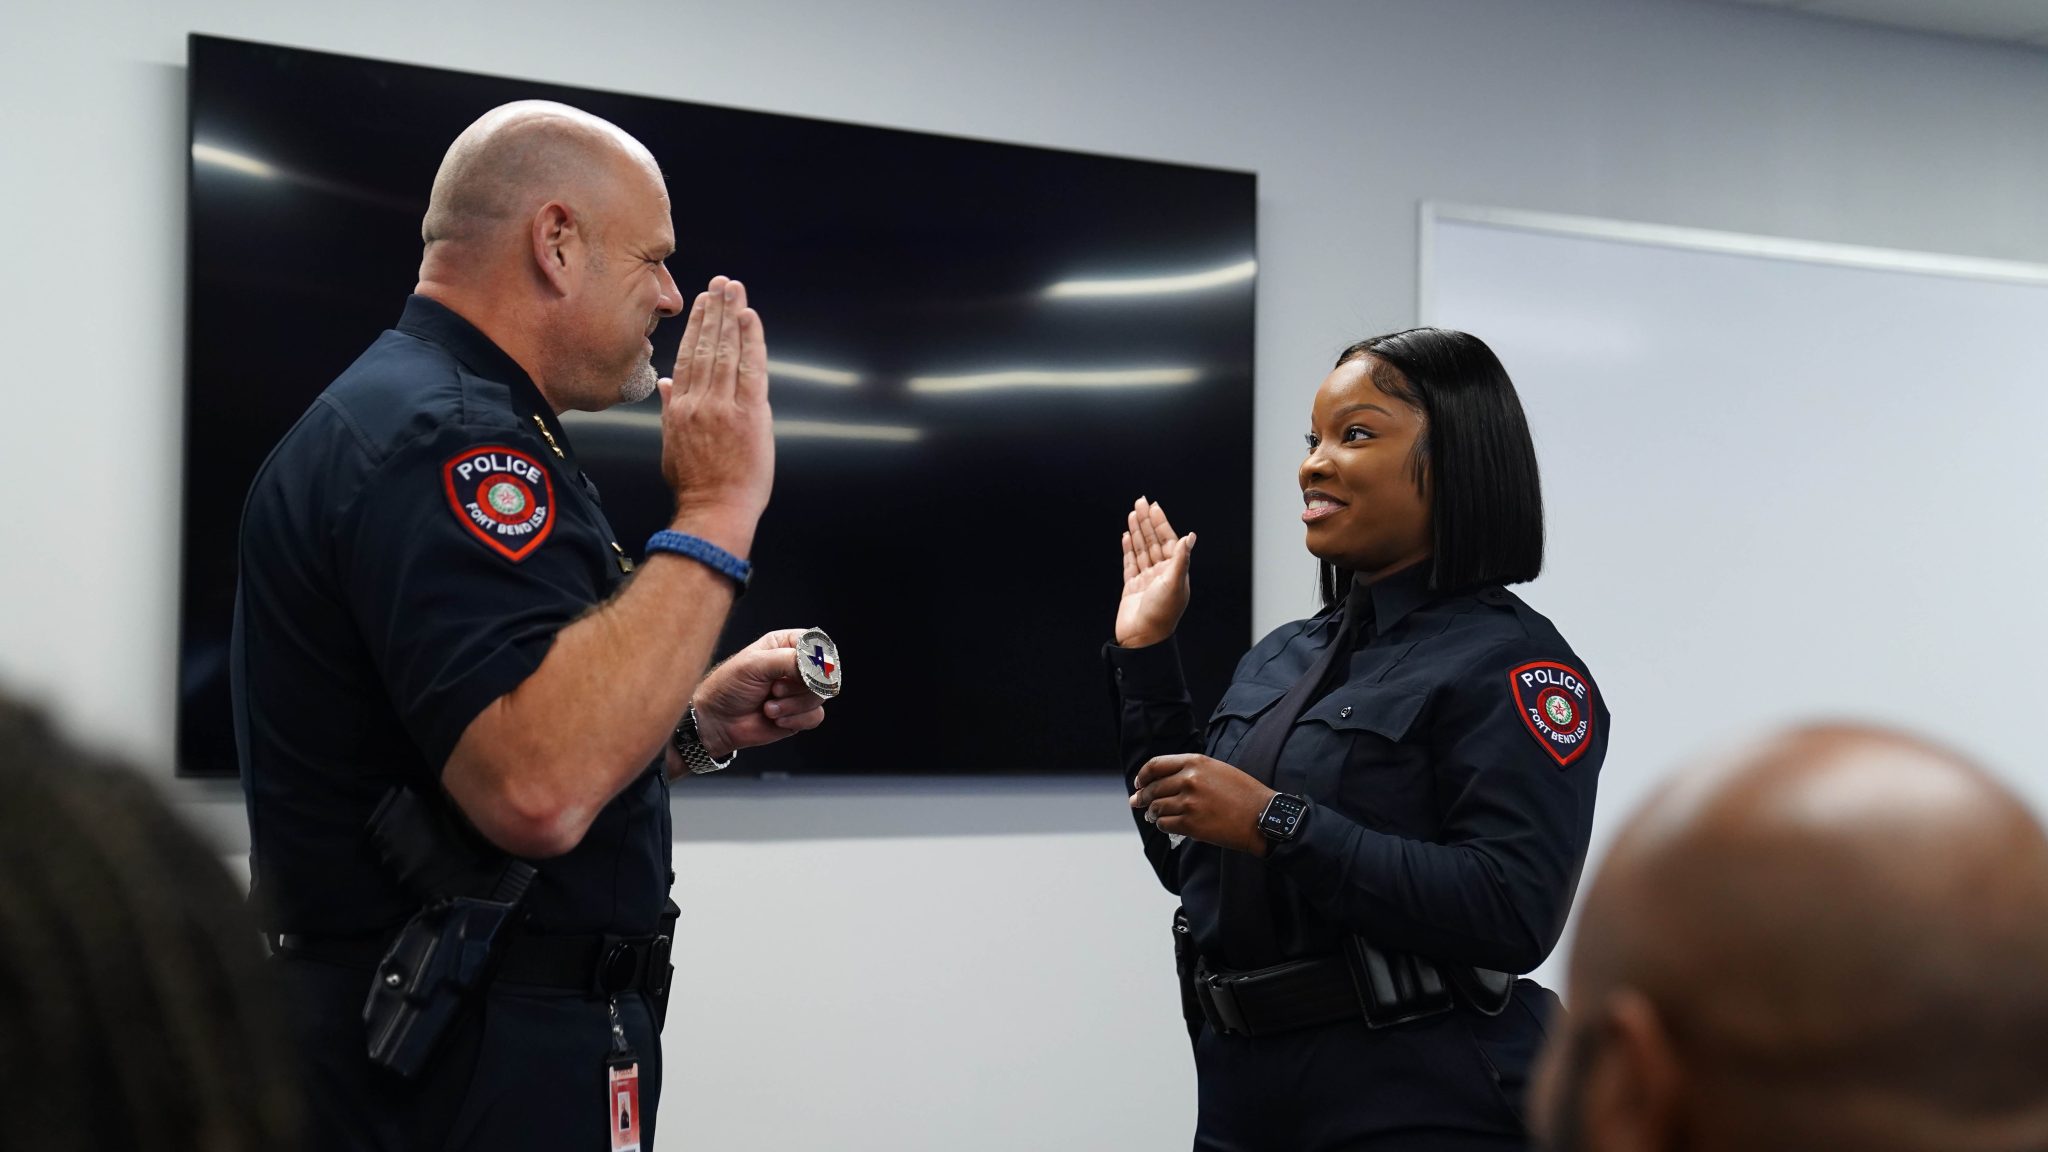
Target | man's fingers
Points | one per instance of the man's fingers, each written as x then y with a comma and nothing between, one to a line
693,331
725,365
780,638
686,349
768,664
803,721
781,707
662,387
753,365
1183,553
705,351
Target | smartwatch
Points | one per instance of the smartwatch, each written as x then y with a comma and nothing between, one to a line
1282,817
690,746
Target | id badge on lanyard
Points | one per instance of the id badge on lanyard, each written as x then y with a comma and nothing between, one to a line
622,1089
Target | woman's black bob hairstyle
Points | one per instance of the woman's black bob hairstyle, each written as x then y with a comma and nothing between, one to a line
1475,459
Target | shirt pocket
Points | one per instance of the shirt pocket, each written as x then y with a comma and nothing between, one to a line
1242,704
1353,750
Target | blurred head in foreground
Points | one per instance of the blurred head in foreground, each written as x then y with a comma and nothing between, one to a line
134,1007
1835,939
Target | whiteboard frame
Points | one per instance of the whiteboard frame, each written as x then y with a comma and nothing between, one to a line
1701,240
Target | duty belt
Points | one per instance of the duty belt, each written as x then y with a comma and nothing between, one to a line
598,966
1381,988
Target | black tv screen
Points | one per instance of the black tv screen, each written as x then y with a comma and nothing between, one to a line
981,353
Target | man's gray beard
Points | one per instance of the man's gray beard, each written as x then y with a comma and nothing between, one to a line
639,386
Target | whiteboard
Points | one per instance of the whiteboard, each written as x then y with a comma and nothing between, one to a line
1782,480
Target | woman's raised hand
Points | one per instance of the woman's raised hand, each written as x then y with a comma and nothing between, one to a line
1155,577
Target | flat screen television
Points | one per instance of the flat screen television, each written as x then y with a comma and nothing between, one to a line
981,353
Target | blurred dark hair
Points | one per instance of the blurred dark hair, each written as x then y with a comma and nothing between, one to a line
1485,497
135,1009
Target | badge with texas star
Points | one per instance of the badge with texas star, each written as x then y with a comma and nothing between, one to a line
817,661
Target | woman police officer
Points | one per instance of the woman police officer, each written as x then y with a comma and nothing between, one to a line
1391,803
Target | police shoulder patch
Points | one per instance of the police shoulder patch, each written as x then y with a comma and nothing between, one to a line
1556,703
503,496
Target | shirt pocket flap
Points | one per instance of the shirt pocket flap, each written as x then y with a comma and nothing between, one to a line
1391,712
1246,700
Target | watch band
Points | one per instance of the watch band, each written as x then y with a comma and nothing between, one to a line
690,746
706,553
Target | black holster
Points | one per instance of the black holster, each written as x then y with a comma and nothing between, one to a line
470,895
1185,959
669,914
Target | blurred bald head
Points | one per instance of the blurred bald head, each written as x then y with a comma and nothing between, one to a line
1835,939
546,229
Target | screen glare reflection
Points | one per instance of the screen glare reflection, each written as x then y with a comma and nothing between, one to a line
1154,285
219,157
1044,378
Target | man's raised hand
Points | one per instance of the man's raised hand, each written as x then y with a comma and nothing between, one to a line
718,436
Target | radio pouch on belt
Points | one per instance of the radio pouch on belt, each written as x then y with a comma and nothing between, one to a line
470,896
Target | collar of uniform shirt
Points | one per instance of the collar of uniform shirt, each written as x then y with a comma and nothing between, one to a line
434,321
1397,595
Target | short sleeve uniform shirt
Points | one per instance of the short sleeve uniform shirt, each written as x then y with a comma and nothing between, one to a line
408,554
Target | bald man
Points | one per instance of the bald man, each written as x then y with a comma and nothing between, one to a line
432,599
1836,940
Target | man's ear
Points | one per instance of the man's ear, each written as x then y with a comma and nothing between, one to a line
557,246
1633,1096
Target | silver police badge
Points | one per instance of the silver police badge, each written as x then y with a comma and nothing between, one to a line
817,661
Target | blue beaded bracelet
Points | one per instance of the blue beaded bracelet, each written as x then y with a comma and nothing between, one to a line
704,552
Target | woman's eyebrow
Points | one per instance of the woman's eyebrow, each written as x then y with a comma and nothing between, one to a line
1348,409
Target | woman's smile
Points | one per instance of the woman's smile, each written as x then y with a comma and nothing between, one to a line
1321,506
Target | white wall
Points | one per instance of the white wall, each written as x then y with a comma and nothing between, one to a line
1352,112
1844,527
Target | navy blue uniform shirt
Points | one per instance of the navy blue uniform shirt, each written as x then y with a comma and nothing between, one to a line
408,553
1450,768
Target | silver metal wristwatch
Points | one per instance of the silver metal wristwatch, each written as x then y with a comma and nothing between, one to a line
690,746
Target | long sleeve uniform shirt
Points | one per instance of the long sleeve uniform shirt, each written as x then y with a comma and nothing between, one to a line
1450,769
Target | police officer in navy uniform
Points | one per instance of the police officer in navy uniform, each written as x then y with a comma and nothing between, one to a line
1386,815
431,597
